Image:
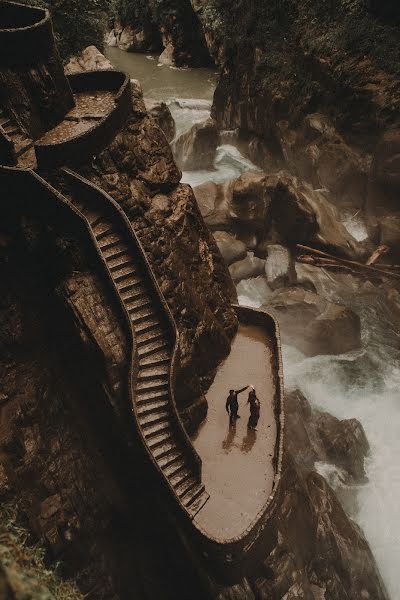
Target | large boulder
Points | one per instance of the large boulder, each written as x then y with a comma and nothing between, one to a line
313,435
386,160
232,250
195,149
316,152
249,267
212,199
314,325
90,59
250,200
162,116
301,214
279,266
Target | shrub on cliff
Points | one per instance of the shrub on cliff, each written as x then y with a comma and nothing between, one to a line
76,26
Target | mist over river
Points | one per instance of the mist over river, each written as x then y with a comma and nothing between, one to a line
363,384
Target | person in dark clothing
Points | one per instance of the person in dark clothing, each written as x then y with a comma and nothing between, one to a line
254,409
232,404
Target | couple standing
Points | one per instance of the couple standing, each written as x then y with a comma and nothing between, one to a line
232,406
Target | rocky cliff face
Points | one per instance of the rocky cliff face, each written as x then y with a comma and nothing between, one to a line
170,26
66,462
314,88
319,552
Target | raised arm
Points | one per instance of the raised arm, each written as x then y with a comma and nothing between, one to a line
242,390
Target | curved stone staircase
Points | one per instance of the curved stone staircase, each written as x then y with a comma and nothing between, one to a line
154,335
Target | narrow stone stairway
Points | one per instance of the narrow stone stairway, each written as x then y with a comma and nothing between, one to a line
153,406
23,144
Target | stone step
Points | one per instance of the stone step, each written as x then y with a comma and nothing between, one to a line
164,449
129,283
153,408
135,292
157,385
103,229
146,326
145,395
116,251
185,486
171,461
109,241
180,477
138,303
120,263
23,148
123,273
156,429
153,373
154,417
142,314
159,358
163,440
146,338
196,498
153,348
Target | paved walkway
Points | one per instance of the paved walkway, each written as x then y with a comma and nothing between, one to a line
237,462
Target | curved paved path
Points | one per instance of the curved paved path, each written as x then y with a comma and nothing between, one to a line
237,463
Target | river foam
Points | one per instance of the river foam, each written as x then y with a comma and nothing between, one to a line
364,385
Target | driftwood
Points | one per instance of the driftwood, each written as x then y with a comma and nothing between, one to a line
351,265
377,254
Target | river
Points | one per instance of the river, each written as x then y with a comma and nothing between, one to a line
363,384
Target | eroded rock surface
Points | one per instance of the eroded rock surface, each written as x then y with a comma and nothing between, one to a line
196,148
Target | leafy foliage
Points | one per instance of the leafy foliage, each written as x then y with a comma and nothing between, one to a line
76,24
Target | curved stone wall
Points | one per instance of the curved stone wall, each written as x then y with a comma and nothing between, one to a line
33,87
81,148
229,559
26,34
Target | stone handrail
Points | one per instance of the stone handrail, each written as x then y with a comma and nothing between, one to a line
26,33
228,558
82,147
108,202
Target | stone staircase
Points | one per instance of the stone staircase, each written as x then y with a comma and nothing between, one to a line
153,406
23,144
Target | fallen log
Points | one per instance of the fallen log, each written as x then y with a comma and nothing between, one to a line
354,265
380,251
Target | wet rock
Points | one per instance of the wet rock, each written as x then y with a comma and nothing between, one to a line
279,267
90,59
143,37
313,435
251,266
213,204
196,148
315,547
304,215
316,152
314,325
232,250
250,200
389,229
167,56
162,116
386,161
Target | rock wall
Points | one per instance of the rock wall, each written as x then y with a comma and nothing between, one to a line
171,26
63,458
313,87
318,552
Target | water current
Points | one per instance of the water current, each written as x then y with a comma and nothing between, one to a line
363,384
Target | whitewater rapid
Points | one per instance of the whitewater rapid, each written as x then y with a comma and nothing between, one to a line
363,384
